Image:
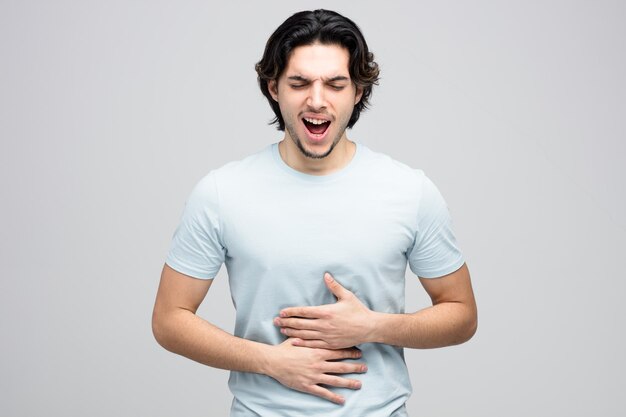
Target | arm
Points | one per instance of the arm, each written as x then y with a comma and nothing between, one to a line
178,329
452,319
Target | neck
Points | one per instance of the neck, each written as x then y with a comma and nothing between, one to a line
340,157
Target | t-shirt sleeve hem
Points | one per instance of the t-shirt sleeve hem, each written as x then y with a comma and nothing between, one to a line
437,273
206,275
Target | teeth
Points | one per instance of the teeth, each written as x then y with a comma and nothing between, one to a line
315,121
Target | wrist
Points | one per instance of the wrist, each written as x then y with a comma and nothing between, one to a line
266,359
375,324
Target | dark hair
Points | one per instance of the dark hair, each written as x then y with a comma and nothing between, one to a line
328,28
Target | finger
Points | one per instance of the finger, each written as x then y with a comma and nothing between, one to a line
315,344
301,324
327,394
314,341
350,353
302,334
303,312
337,381
344,368
334,287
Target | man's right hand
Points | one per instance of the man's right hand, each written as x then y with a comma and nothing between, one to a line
306,369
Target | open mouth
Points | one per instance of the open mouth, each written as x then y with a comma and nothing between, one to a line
316,126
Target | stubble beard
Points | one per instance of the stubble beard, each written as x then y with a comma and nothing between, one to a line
296,139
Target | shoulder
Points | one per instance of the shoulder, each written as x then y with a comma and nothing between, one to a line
384,166
255,162
236,171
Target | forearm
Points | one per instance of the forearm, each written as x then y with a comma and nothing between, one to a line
183,332
444,324
178,329
297,368
451,320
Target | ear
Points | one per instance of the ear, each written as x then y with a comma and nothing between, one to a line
272,86
359,94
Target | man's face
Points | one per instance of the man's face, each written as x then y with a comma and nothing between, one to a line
316,97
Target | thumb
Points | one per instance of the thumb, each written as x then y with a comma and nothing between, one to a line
334,287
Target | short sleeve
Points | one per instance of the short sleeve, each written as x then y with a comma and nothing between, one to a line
435,252
196,248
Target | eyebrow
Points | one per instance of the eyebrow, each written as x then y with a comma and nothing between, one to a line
328,80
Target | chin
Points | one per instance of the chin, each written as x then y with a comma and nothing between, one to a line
315,152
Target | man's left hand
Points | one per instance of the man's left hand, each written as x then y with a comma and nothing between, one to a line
343,324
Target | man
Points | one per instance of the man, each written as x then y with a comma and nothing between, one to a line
315,232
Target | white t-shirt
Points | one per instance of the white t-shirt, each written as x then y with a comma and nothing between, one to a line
278,230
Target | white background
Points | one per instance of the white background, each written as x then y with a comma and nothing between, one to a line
110,112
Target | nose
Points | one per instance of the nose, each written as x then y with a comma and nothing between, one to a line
316,99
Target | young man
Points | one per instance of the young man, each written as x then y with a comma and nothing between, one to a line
316,232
